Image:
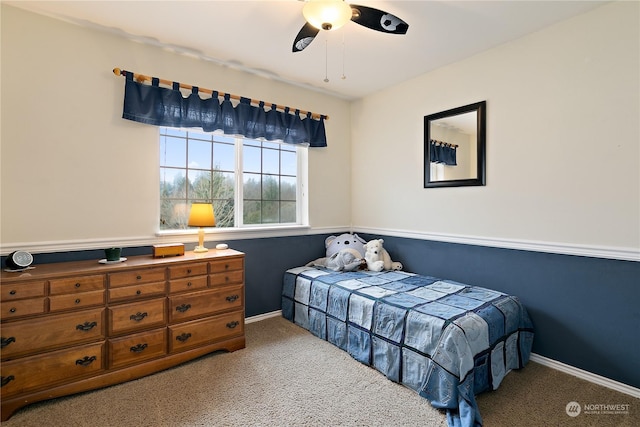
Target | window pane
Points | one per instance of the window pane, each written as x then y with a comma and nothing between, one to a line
173,132
251,159
224,211
270,188
173,151
251,186
174,214
270,161
272,145
199,154
288,212
252,212
224,185
252,142
270,212
288,163
224,156
200,185
201,136
173,183
288,188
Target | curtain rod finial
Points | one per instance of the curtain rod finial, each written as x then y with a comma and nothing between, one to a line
116,71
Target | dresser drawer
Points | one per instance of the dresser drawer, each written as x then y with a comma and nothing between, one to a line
23,307
127,278
79,300
22,290
228,278
32,373
30,336
191,334
197,304
222,265
189,284
76,284
138,291
140,315
137,348
188,270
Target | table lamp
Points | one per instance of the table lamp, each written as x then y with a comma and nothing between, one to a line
201,215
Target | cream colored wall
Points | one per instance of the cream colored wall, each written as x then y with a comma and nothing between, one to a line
563,156
74,171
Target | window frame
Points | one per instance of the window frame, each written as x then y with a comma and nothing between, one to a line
302,200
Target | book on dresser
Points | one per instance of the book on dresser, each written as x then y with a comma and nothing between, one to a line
75,326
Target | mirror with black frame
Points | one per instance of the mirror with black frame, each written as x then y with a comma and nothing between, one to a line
454,147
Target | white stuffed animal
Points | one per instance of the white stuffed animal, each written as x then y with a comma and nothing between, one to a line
378,258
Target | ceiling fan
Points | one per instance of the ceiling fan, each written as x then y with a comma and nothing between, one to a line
332,14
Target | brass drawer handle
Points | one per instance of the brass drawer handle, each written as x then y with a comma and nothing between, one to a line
188,271
138,316
7,380
86,326
138,277
13,292
233,324
12,310
183,337
77,285
77,300
6,341
138,348
183,307
86,361
232,298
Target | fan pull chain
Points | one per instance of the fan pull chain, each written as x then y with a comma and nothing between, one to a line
326,61
344,77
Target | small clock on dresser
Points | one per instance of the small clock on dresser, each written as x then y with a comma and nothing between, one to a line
19,260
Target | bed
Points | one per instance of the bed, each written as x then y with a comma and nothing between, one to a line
445,340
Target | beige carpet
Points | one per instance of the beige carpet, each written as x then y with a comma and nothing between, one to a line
288,377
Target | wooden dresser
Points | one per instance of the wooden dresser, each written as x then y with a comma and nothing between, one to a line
76,326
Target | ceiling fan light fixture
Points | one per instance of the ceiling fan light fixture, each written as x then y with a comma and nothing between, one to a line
327,14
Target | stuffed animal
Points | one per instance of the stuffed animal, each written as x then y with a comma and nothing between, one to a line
344,260
343,253
344,241
378,258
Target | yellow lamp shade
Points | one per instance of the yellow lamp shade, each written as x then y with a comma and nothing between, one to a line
201,215
327,14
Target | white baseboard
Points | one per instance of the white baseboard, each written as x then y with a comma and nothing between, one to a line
264,316
553,364
585,375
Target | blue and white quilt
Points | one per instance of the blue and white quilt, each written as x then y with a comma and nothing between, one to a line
446,340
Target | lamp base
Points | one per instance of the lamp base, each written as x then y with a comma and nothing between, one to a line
200,249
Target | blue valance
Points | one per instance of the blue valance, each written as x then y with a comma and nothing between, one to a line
441,152
160,106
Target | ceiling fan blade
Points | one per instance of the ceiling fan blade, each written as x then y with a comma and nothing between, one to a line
378,20
304,37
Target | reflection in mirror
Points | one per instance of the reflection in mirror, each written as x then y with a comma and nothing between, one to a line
454,147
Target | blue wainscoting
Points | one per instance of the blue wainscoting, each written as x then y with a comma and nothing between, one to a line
586,311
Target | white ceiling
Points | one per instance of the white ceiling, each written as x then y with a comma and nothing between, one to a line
257,36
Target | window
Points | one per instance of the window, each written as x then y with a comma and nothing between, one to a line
250,182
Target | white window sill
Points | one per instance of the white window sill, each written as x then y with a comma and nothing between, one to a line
212,233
